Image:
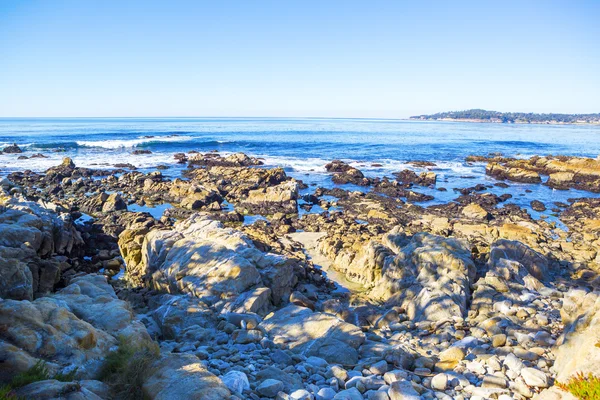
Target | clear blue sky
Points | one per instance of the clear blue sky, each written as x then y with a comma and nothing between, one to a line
297,58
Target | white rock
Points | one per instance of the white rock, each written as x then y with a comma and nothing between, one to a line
301,394
236,381
439,382
535,377
325,394
403,390
350,394
513,363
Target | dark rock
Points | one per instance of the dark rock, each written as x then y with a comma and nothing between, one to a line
13,149
538,205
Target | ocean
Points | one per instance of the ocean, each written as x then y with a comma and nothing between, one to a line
303,146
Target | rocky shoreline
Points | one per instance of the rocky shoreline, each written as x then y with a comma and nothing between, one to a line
338,294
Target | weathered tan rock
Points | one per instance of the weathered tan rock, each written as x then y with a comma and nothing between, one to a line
202,258
267,201
114,202
579,349
512,174
560,179
475,211
533,262
428,275
76,327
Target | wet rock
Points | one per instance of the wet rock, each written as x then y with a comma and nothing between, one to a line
114,202
12,149
512,174
537,205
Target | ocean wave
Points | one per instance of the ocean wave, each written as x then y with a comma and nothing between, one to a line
130,143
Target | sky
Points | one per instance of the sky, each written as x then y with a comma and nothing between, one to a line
359,59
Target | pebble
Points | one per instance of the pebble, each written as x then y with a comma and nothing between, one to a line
439,382
270,387
379,368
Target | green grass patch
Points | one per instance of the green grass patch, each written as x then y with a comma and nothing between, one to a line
584,387
124,369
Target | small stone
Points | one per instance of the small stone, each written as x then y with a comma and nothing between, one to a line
325,394
281,357
452,354
301,394
378,395
350,394
317,362
236,381
403,390
439,382
395,375
499,340
340,373
270,387
513,363
492,381
379,368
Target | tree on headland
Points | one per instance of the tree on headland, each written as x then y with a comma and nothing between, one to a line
512,117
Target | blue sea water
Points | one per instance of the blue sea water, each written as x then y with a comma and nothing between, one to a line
303,146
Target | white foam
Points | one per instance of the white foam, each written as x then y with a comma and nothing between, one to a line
295,163
97,160
129,143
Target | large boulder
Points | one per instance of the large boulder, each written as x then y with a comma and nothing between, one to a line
31,236
182,317
58,233
429,275
16,280
182,376
74,328
315,334
578,349
202,258
504,251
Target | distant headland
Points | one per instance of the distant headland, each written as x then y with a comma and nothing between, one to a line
478,115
